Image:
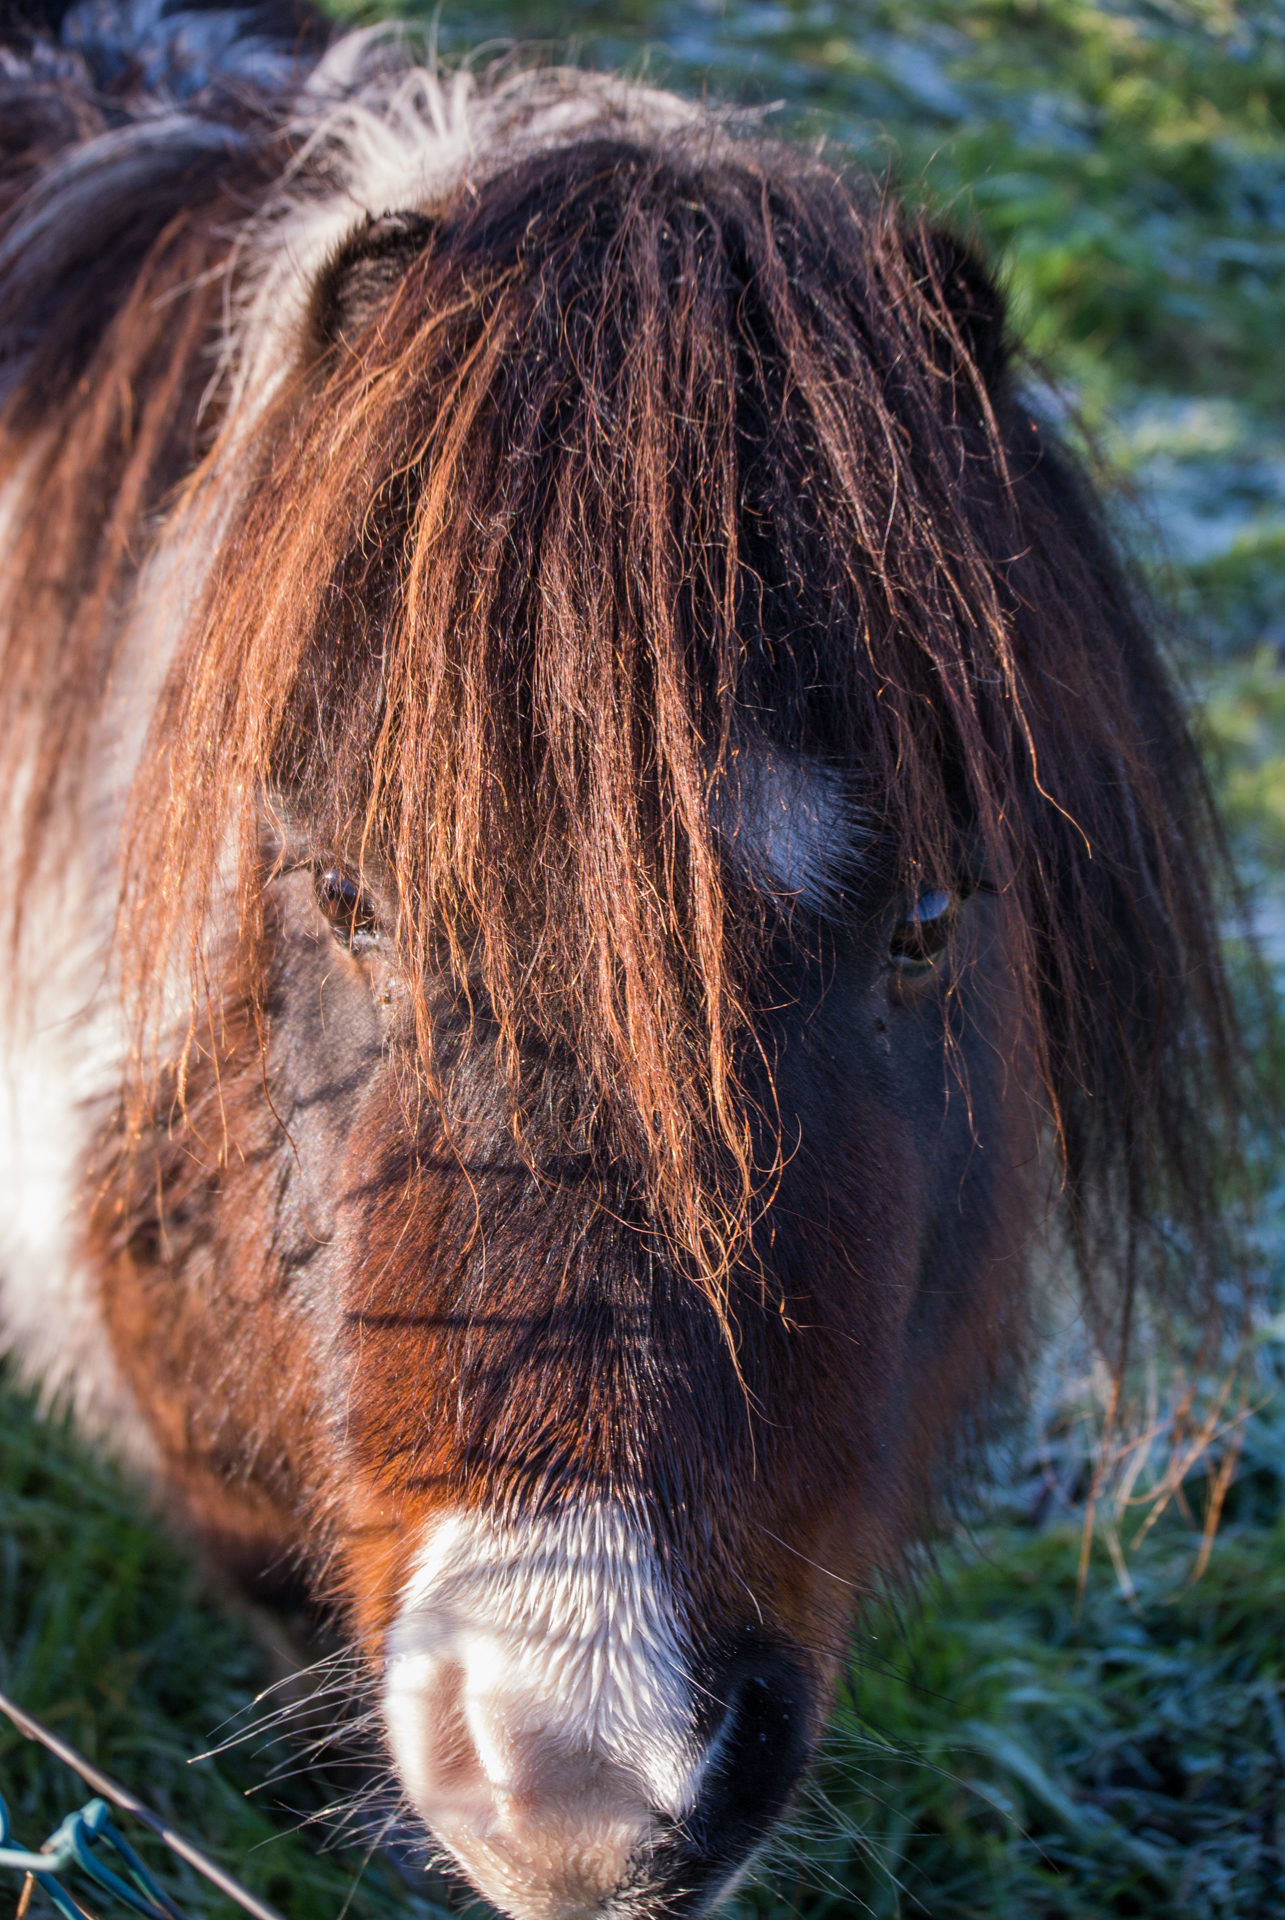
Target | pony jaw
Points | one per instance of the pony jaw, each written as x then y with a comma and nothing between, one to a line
538,1706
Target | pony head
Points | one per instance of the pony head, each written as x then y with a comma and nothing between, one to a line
660,855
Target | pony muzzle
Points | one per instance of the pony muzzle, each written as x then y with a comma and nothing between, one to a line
554,1732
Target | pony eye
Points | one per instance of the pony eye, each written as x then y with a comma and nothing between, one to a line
918,939
350,913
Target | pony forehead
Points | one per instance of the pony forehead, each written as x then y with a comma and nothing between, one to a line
376,133
788,821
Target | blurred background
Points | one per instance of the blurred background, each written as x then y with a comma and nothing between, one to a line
1081,1714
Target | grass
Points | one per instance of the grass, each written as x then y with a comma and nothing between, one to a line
108,1634
1026,1754
1011,1748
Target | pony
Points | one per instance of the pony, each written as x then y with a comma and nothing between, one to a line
601,849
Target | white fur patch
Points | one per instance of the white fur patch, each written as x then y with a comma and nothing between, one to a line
537,1702
787,822
64,1036
57,1060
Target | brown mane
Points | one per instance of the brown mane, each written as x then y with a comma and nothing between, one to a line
506,577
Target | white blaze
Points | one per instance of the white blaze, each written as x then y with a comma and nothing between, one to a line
787,820
537,1702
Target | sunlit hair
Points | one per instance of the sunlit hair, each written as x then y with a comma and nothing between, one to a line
591,481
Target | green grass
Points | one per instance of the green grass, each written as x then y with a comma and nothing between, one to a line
1009,1750
1024,1755
108,1634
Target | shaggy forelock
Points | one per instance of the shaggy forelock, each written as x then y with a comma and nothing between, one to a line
571,456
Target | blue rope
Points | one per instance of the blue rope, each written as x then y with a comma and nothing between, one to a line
71,1846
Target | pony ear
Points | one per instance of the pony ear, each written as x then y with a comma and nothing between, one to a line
364,274
969,294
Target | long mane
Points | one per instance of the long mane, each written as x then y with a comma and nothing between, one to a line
568,459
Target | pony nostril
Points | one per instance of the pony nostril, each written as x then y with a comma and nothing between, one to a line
761,1714
760,1747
